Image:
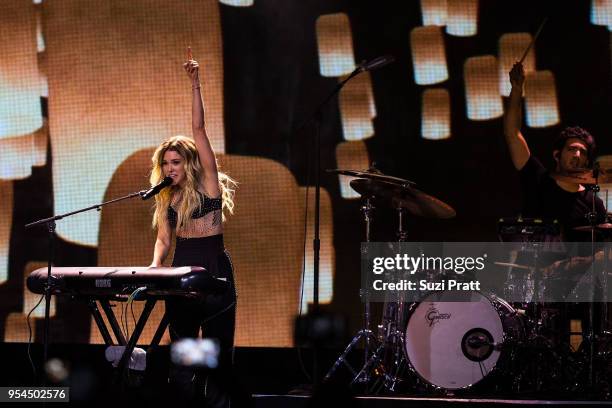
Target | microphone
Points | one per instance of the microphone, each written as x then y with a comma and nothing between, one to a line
145,195
478,341
376,63
481,341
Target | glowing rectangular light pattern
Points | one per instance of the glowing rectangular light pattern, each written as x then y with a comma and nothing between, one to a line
541,99
6,222
482,88
268,277
434,12
462,18
357,108
44,85
428,55
20,110
17,157
435,114
15,328
601,13
327,253
510,50
41,57
40,39
351,155
39,154
99,117
335,42
31,299
237,3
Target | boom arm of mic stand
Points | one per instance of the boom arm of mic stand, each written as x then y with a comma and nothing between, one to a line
68,214
336,90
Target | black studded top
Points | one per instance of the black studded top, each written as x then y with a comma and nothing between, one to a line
205,220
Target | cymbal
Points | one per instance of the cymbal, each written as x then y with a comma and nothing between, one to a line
416,202
605,227
584,176
371,174
576,178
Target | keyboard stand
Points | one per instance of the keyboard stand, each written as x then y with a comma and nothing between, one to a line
114,325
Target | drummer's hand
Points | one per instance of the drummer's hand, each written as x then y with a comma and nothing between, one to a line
599,256
193,70
517,75
555,269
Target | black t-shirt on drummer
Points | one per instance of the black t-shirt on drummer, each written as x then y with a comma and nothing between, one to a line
543,198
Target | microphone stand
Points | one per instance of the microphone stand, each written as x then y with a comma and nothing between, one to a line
50,223
316,243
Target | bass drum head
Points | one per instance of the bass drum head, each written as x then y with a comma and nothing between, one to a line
449,344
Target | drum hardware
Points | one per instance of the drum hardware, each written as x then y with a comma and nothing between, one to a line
397,193
402,234
595,176
453,345
539,348
401,195
373,174
363,376
584,361
372,185
390,333
602,228
599,175
591,178
519,229
405,199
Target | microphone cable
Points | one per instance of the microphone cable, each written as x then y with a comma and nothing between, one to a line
30,336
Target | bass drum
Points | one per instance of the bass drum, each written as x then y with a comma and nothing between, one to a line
454,345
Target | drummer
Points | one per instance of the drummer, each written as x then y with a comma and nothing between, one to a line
546,194
554,195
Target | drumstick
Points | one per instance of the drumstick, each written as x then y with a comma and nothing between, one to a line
189,55
537,34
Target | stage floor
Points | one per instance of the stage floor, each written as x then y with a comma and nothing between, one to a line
273,376
294,401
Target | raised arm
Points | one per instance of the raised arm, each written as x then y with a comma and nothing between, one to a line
162,244
519,151
210,182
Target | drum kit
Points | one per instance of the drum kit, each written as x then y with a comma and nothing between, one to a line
486,343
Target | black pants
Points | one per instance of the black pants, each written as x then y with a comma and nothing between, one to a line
215,315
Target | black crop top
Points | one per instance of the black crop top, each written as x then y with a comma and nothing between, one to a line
207,205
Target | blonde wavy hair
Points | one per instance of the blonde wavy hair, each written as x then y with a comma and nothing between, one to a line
186,148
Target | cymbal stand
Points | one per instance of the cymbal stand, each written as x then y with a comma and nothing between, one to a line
592,218
396,335
390,329
604,281
535,302
363,375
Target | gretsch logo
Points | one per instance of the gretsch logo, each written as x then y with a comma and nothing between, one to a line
433,316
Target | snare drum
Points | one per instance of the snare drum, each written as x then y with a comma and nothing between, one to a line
454,345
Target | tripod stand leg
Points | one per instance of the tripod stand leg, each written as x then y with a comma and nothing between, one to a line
363,374
365,334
